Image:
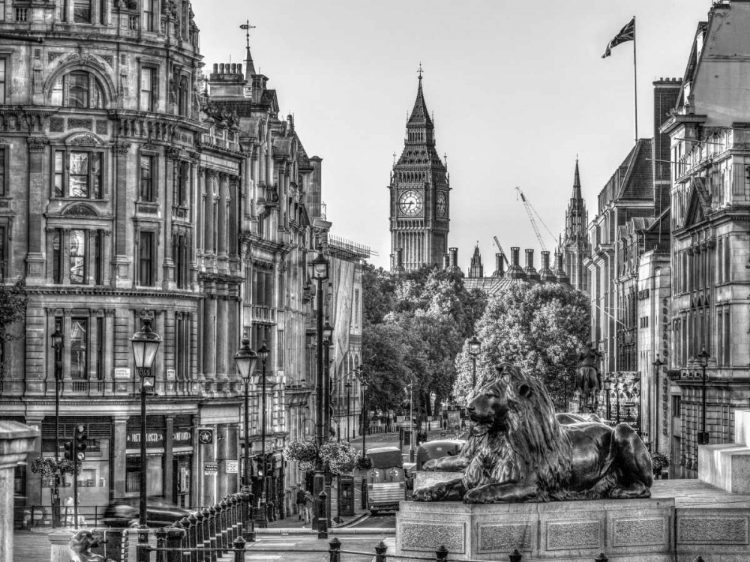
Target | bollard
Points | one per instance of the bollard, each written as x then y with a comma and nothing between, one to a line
601,558
239,549
334,550
175,536
161,538
441,554
515,556
380,549
192,534
322,519
143,549
223,527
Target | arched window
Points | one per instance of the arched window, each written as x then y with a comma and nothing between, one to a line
77,89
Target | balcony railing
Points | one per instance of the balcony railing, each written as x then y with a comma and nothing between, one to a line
22,14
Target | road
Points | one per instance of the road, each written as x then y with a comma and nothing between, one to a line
379,521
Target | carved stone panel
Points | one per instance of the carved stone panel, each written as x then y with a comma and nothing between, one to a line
504,538
567,535
428,536
712,530
640,532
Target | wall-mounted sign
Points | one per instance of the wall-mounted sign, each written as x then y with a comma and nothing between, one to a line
154,438
182,436
122,373
232,467
205,436
170,374
210,469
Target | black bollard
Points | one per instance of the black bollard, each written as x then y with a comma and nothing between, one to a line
515,556
239,549
334,550
176,538
380,549
441,554
322,518
601,558
143,548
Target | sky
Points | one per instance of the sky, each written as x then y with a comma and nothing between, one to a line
518,91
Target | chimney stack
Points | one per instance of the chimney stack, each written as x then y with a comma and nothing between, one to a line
560,274
453,261
545,274
446,261
515,271
531,273
499,265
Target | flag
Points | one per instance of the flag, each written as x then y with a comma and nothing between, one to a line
627,33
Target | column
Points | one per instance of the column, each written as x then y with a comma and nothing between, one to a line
168,460
92,344
221,337
209,337
233,341
208,212
200,217
122,260
38,188
222,445
199,334
109,344
65,255
106,251
119,446
222,226
67,326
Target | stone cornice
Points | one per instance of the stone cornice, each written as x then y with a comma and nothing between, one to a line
108,292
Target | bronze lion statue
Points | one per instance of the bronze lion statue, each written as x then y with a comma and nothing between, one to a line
519,451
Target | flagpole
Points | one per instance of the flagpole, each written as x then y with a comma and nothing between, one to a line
635,81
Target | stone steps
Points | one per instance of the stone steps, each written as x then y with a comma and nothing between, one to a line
727,466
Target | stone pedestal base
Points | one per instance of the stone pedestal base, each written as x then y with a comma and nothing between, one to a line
569,531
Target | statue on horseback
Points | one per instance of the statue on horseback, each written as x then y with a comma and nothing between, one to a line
589,378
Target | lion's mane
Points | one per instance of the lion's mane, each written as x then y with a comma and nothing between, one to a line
532,442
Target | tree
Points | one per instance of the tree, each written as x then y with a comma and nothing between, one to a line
12,309
540,328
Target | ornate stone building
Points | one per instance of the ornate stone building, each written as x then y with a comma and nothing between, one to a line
420,195
574,246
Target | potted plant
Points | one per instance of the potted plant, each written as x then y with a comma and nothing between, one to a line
659,462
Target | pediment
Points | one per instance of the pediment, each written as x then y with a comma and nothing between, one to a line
83,139
79,210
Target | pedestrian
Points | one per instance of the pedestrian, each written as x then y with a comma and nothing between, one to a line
308,507
301,503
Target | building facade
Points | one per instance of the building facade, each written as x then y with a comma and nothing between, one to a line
710,196
419,195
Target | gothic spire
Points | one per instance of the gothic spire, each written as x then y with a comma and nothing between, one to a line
577,183
249,66
420,115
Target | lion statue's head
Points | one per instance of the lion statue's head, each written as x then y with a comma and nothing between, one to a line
514,411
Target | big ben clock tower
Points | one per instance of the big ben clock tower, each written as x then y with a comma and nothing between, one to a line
419,187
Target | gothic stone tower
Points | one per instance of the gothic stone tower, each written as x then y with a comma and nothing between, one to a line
575,245
419,189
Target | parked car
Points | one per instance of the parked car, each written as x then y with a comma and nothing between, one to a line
126,513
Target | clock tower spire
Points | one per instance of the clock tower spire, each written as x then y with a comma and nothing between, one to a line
419,188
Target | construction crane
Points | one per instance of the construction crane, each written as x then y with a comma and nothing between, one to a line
499,247
529,208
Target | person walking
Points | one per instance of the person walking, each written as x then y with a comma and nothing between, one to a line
301,503
308,507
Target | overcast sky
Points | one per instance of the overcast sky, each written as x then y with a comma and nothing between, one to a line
518,89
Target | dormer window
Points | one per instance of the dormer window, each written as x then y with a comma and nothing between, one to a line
78,89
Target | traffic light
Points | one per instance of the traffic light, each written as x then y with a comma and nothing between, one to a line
68,454
80,442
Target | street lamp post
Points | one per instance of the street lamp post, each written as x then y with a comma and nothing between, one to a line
145,344
658,364
319,272
365,420
57,345
245,360
411,422
263,355
327,343
475,346
703,438
607,390
348,386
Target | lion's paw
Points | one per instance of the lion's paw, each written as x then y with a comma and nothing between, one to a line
475,496
430,465
430,493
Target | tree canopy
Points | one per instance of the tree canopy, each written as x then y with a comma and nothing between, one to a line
414,326
12,309
541,328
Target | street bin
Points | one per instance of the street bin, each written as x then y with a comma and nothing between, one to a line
346,495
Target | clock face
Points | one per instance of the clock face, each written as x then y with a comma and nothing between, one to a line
442,205
410,203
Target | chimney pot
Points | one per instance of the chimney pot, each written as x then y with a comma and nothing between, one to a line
216,68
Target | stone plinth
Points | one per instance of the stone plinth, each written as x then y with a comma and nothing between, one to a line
16,440
727,466
682,520
541,531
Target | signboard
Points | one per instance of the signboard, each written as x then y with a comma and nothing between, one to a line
154,438
210,469
232,467
170,374
122,373
205,436
182,436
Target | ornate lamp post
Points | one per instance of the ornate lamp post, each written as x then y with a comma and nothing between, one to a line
57,345
607,389
245,360
365,420
263,355
319,272
145,344
475,346
703,434
658,364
